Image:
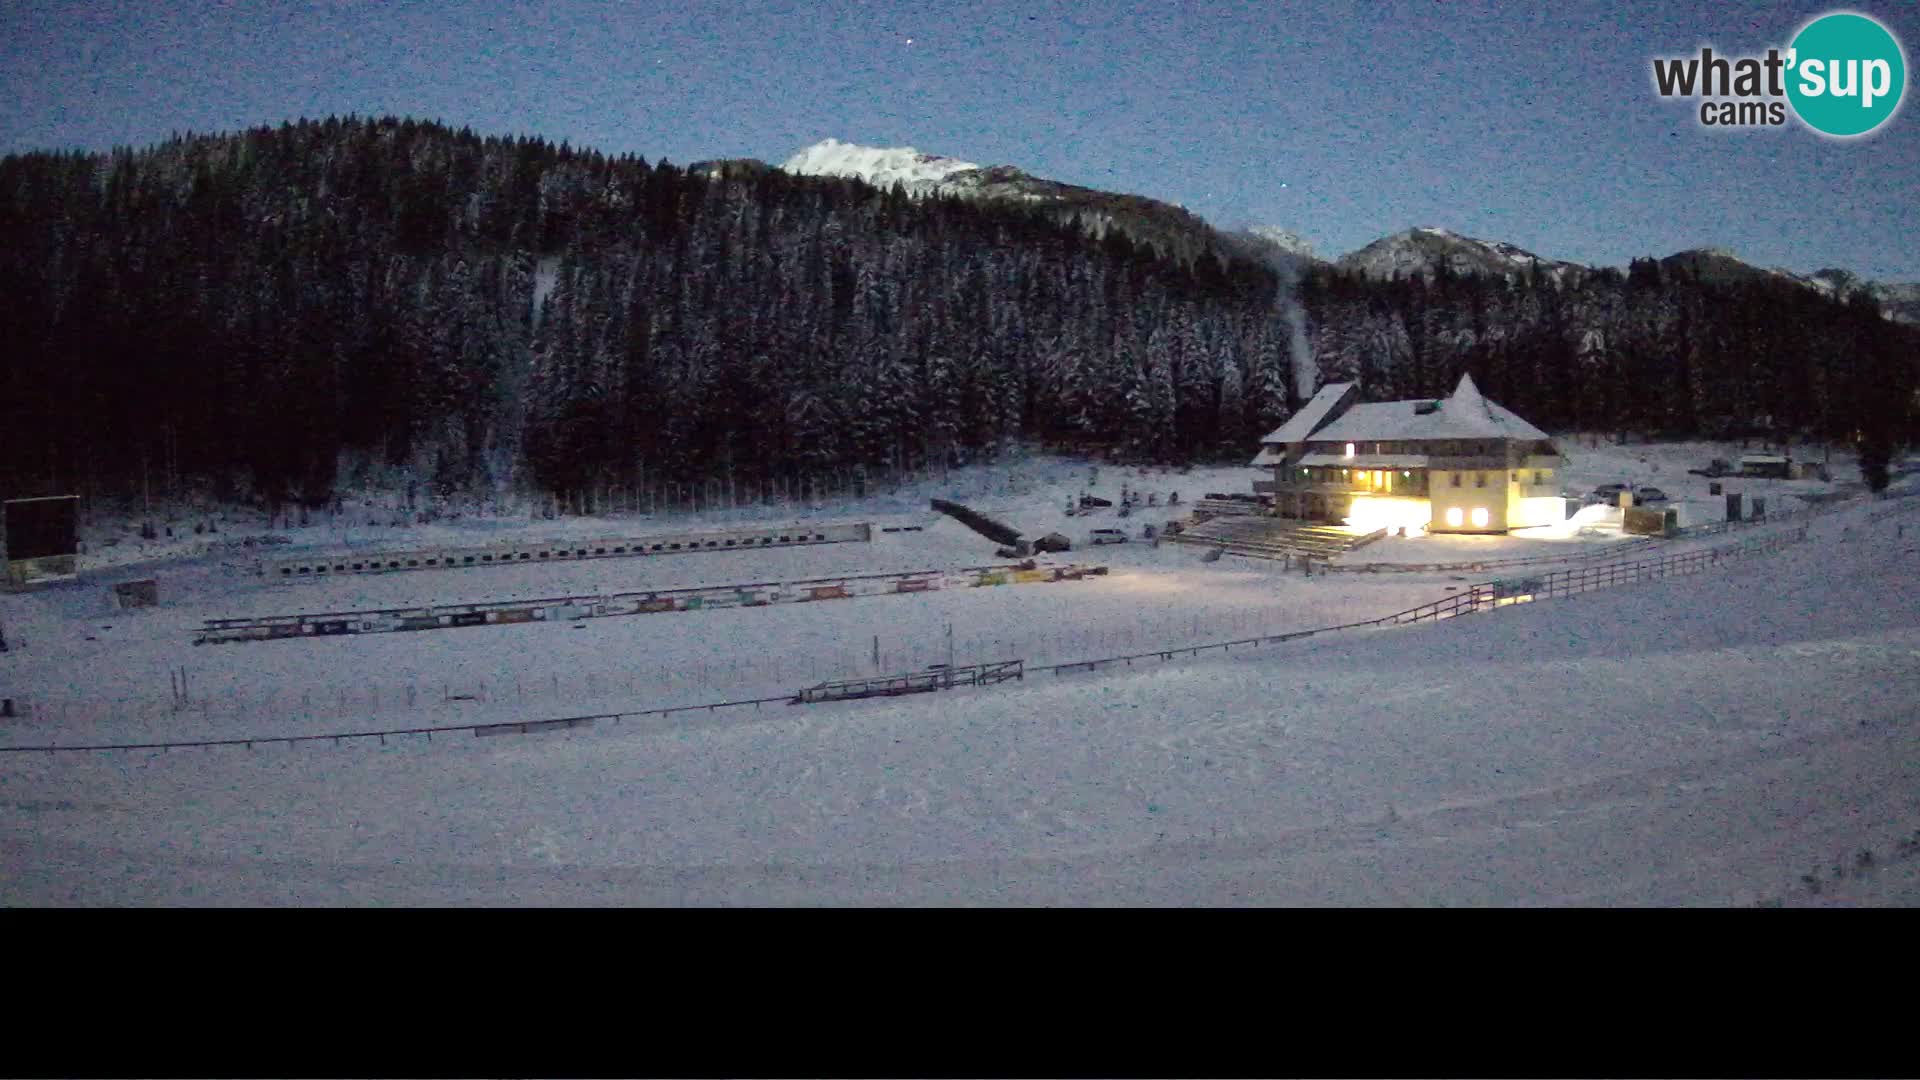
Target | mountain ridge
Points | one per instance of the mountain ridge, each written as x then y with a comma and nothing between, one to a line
1420,249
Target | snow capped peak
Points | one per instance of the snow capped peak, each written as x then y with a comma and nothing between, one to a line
880,166
1423,248
1289,242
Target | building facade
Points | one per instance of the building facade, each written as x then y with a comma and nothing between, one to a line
1459,464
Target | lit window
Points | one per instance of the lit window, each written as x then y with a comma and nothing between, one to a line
1453,517
1479,517
1349,449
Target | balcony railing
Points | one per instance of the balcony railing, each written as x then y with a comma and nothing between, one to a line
1468,461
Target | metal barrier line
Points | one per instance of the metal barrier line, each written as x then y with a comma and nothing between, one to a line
569,549
479,605
383,733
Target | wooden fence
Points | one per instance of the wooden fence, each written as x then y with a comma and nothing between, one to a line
1484,596
918,682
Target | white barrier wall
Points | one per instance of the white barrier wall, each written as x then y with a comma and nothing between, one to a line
325,564
557,609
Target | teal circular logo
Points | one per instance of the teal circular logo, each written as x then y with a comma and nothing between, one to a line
1845,75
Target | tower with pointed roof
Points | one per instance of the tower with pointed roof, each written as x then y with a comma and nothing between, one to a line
1460,464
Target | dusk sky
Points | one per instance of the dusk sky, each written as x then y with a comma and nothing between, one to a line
1527,122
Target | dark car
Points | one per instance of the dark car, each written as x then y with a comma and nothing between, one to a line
1608,493
1649,495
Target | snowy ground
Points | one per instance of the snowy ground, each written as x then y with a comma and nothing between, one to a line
1709,739
89,672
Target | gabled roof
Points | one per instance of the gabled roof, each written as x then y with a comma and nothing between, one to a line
1311,415
1462,415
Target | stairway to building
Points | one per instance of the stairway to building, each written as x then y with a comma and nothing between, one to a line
1273,538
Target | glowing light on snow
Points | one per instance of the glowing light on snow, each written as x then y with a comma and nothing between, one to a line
1544,510
1372,512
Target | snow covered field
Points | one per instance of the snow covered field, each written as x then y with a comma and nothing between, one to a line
1708,739
92,673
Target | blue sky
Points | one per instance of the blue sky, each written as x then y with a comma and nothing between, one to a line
1528,122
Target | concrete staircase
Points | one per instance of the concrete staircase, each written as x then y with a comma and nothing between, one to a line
1273,538
1227,508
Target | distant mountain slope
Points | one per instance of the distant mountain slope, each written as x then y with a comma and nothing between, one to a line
1423,250
1172,230
1289,242
1277,247
1900,302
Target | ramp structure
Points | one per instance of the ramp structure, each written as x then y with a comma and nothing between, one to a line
998,532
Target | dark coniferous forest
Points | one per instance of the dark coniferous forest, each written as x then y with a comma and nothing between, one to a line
285,312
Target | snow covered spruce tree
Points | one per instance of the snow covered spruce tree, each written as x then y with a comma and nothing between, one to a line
351,301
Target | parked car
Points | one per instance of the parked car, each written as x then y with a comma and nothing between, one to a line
1715,469
1649,495
1107,536
1608,493
1053,542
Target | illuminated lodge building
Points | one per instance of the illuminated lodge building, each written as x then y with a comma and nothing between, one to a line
1460,464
